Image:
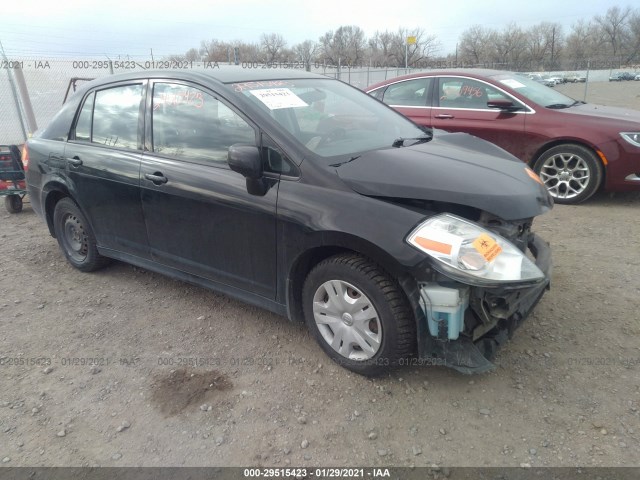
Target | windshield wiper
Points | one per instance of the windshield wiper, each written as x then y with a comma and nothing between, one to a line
558,105
346,161
399,142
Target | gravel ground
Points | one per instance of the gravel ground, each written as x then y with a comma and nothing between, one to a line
124,367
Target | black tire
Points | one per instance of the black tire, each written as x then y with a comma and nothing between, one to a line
75,237
13,203
572,173
392,323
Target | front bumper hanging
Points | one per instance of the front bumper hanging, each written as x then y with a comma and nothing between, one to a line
471,355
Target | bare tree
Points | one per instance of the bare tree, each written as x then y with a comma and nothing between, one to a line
247,52
424,47
272,44
510,47
476,46
614,26
634,37
215,51
582,44
192,55
380,46
306,53
544,42
345,46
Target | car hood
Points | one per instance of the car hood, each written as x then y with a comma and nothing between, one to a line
601,111
454,168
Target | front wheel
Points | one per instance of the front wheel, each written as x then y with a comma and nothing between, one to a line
75,237
571,173
358,314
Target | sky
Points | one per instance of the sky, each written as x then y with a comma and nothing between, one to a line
80,28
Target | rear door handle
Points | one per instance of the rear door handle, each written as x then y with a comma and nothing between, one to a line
156,177
444,115
75,161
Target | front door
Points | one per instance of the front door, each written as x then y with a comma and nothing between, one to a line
199,216
460,105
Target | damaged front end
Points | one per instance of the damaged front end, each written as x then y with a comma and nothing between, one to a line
480,283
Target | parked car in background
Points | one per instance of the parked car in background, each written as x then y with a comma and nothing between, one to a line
575,147
543,79
620,76
556,79
637,77
305,196
575,78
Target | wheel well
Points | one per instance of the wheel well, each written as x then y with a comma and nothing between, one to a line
312,257
53,198
303,265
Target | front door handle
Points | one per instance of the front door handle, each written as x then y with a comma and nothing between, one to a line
444,115
75,161
156,177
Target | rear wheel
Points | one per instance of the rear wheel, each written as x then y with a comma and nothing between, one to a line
13,203
75,237
571,173
358,314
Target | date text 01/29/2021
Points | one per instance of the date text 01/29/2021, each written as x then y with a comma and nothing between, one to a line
316,472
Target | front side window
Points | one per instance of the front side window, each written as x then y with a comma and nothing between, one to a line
191,124
466,93
115,116
410,93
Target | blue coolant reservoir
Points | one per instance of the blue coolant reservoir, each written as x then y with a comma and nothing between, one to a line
444,308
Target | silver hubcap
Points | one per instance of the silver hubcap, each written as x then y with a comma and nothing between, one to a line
565,175
347,320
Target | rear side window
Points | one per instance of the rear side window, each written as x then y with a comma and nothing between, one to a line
110,117
115,116
191,124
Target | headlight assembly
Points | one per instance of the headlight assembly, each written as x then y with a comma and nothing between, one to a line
632,137
470,253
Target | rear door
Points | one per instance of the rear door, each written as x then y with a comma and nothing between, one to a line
102,159
199,216
460,105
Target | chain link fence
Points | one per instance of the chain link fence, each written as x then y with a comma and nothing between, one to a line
32,90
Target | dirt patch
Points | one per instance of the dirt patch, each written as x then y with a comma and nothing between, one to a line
182,388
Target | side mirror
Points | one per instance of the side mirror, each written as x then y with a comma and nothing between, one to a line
505,105
246,160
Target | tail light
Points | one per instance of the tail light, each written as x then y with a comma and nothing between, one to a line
25,157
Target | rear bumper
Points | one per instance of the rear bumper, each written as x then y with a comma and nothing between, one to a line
473,351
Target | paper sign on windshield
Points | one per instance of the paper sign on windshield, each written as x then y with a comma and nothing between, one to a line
510,82
275,98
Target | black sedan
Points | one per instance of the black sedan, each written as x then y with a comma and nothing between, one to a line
305,196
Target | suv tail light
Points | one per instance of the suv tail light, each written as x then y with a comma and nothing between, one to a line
25,157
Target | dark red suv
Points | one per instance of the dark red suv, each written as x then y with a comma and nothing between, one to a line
575,147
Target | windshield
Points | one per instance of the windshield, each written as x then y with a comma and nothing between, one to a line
331,119
535,91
